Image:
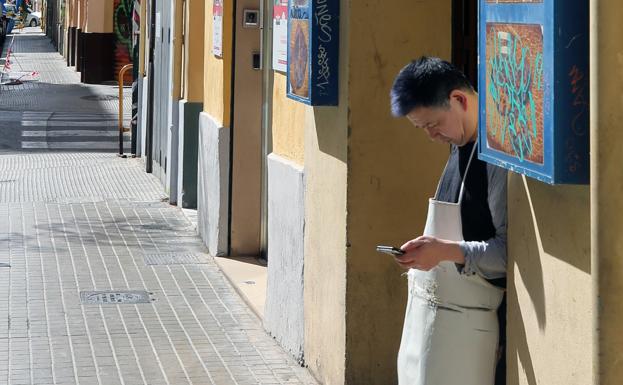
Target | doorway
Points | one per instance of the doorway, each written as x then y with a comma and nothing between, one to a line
465,38
246,131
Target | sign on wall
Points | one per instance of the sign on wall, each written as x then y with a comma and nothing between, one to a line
534,88
313,51
280,35
217,28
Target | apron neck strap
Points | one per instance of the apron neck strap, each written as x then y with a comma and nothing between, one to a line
465,174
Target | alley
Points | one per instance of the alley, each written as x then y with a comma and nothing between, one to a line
101,280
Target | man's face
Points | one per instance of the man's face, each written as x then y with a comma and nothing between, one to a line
442,124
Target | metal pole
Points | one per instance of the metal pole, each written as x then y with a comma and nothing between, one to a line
122,72
149,134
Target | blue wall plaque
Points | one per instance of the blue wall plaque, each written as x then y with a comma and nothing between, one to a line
534,90
313,51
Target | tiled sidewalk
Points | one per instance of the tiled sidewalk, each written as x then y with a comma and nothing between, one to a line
72,224
87,222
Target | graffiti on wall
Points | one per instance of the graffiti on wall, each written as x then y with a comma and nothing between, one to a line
514,76
122,25
299,48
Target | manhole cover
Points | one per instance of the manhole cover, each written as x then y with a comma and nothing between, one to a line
100,98
173,259
110,297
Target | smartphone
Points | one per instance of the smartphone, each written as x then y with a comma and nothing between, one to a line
389,250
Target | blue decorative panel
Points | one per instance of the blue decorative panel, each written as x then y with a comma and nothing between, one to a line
313,51
533,76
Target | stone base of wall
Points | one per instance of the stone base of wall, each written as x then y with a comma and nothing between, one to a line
71,46
213,185
172,152
78,52
284,310
97,60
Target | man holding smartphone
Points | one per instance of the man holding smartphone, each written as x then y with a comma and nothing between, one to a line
437,98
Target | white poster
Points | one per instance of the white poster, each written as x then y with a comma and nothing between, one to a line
280,35
158,26
217,28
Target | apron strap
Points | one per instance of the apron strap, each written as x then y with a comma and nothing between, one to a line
465,175
440,180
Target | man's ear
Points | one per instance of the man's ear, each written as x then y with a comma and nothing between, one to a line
460,97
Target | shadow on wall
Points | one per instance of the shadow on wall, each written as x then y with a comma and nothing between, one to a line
552,222
329,123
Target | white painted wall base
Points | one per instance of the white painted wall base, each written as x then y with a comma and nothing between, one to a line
142,114
284,310
213,185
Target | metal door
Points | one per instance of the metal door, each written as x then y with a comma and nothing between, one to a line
162,75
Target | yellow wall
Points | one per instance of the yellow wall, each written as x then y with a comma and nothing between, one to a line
75,12
368,180
178,32
217,71
99,16
392,171
288,126
82,14
326,139
326,136
194,50
142,39
549,284
607,185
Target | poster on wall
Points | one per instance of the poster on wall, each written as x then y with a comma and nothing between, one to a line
534,113
313,52
280,35
217,28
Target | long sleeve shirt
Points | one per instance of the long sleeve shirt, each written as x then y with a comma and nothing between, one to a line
487,258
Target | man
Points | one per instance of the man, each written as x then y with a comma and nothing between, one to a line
438,98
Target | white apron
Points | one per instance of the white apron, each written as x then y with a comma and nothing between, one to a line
450,333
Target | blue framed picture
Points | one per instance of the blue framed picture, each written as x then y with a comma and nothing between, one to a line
533,76
313,51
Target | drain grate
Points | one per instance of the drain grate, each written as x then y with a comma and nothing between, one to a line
173,259
111,297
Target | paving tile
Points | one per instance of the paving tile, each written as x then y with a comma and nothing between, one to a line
78,221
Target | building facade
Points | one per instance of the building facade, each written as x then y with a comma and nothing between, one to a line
313,189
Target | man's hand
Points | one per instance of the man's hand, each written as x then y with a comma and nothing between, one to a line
424,253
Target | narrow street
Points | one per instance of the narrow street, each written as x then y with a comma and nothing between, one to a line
101,280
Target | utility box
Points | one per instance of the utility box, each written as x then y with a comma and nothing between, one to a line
313,51
534,88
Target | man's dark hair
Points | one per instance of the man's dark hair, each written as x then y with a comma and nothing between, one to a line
426,82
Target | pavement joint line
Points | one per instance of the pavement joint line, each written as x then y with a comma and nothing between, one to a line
9,296
136,359
184,268
69,123
142,278
28,306
64,305
179,322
